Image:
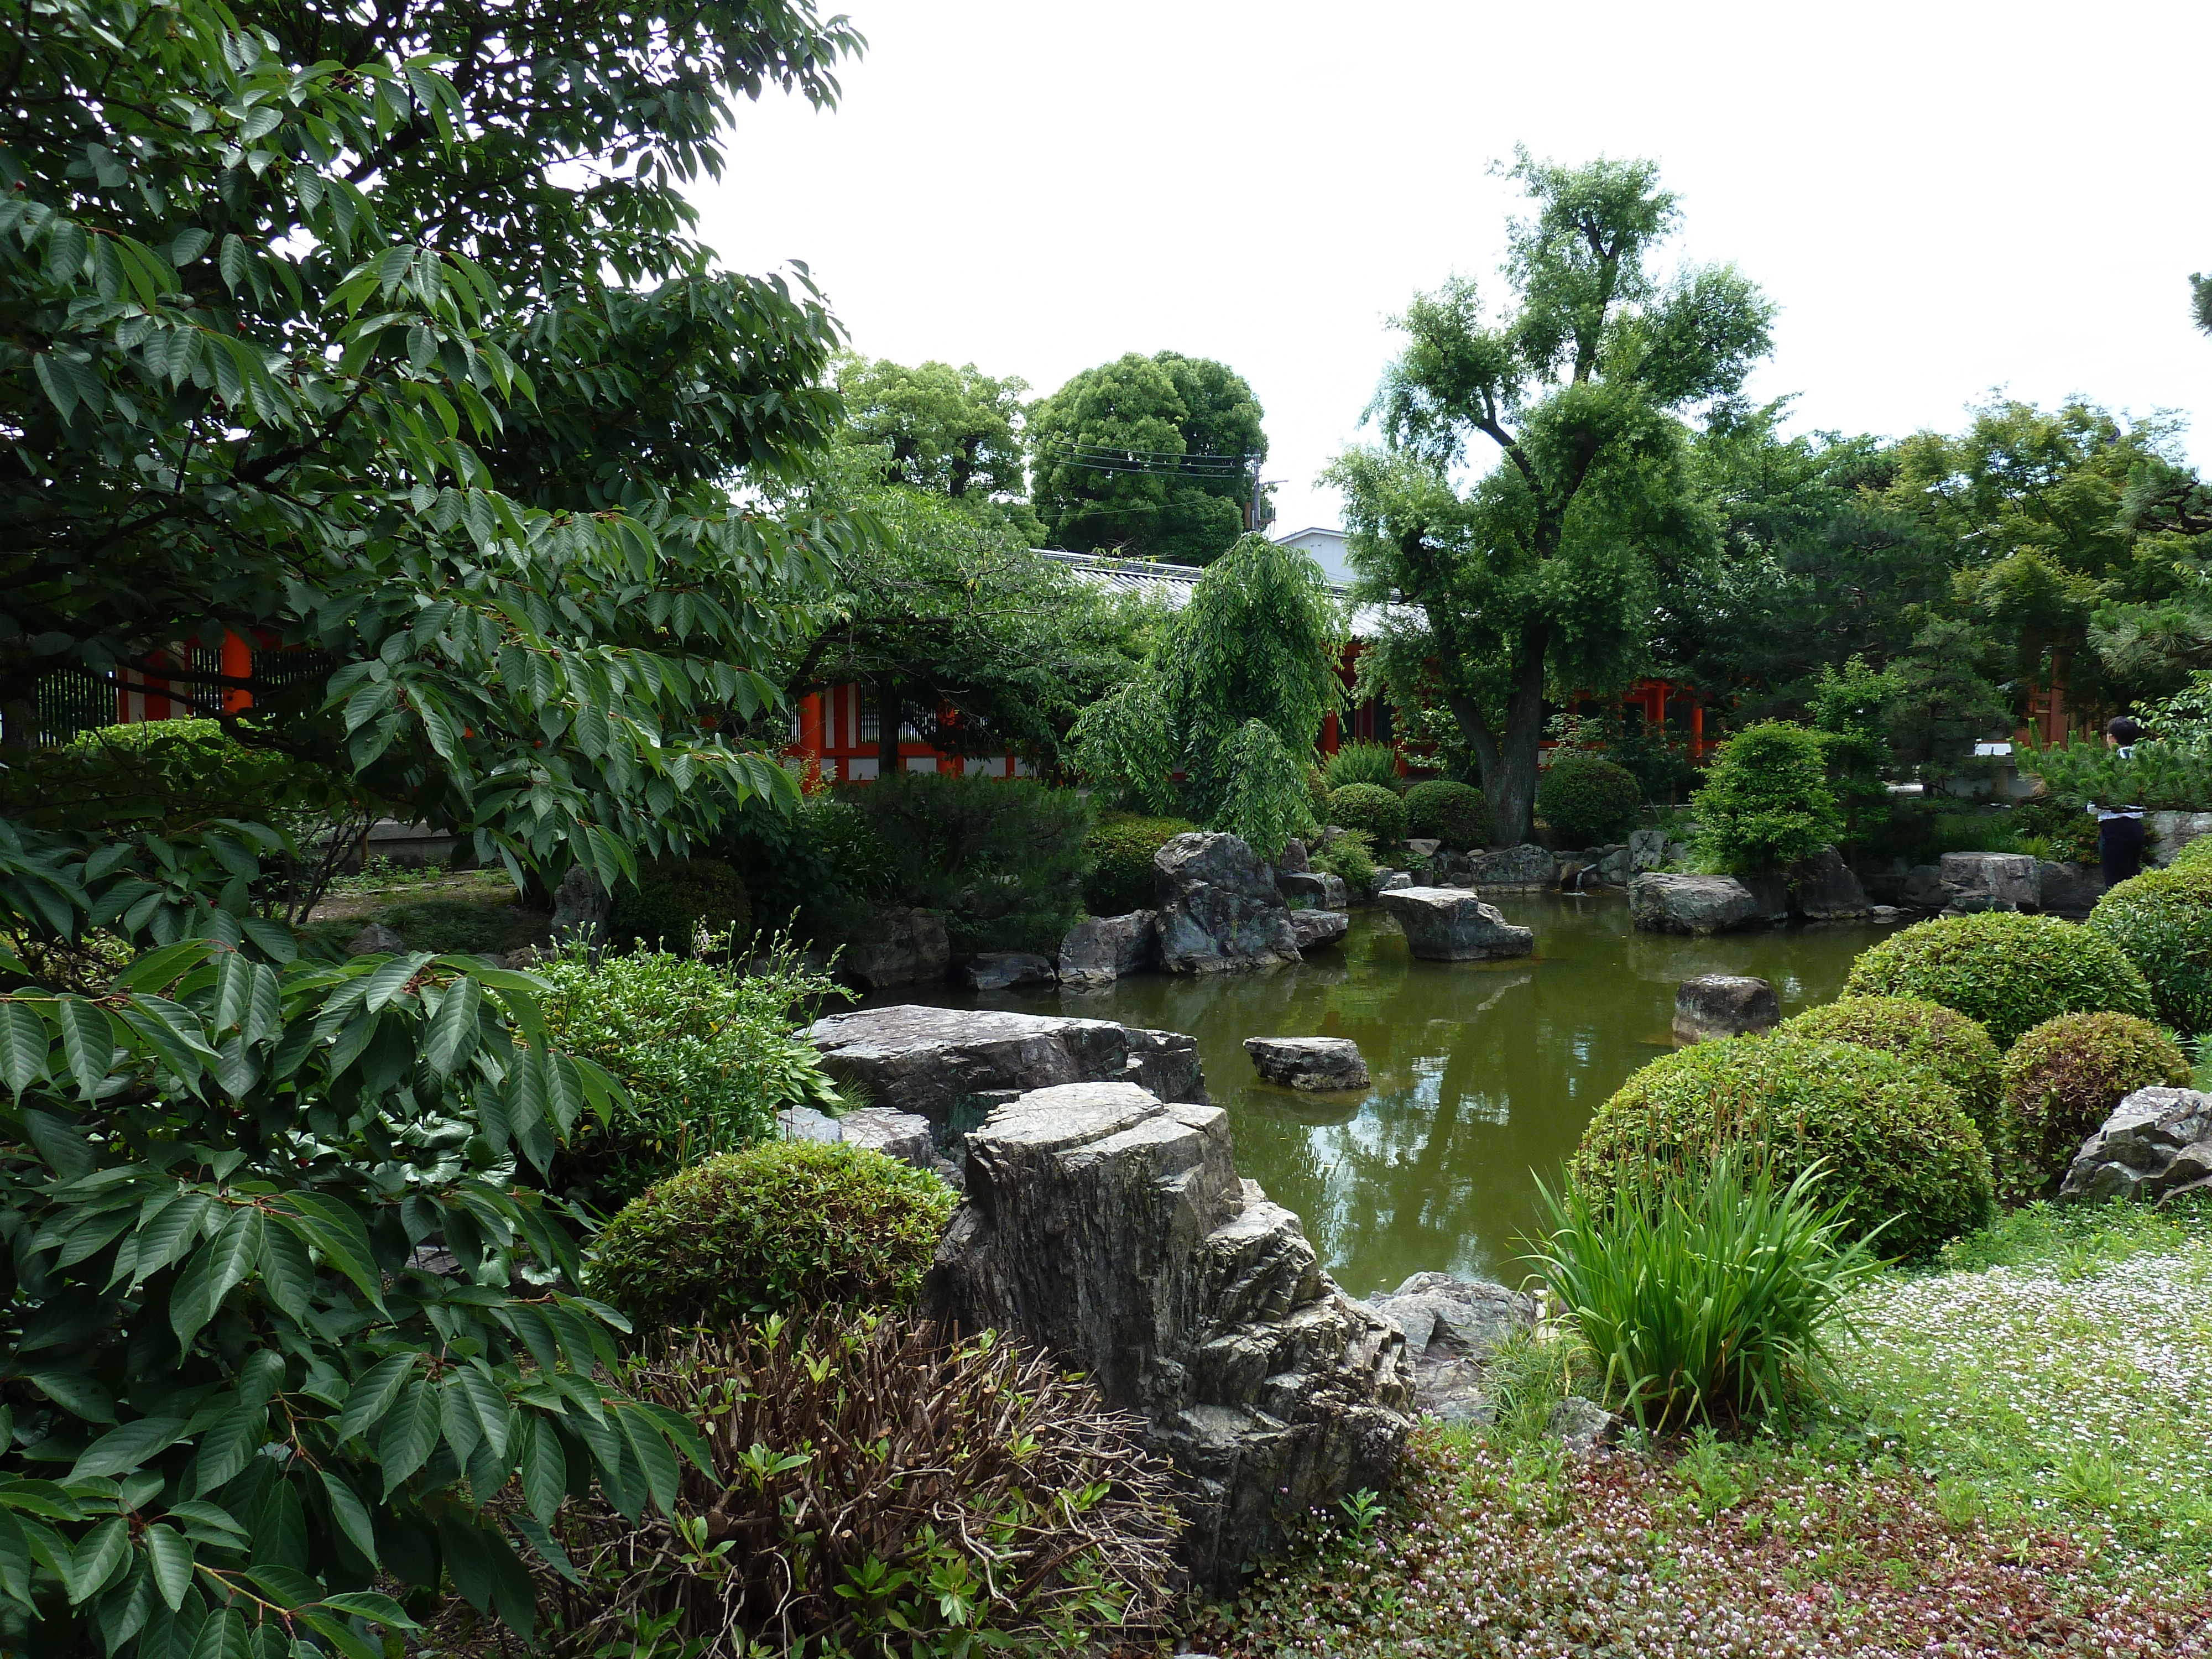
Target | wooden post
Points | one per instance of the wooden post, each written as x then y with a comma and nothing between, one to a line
237,665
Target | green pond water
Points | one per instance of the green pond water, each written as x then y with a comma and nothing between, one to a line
1484,1073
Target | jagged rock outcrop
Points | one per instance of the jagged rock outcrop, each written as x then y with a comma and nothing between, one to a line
999,970
1713,1005
1110,1228
1315,887
1527,867
1450,924
941,1062
1451,1325
1988,881
1220,911
581,905
1647,849
2165,833
2068,889
2156,1143
1312,1062
1823,888
1315,928
1660,904
1102,949
376,940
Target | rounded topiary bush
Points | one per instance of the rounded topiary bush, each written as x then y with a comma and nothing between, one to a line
2007,971
779,1225
1456,814
1941,1041
675,900
2061,1082
1380,812
1588,801
2194,855
1121,876
2162,919
1897,1145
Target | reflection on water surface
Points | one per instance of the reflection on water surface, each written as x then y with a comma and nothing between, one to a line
1485,1074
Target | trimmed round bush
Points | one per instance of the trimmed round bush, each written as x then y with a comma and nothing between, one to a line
1940,1041
783,1223
1588,801
2061,1082
1380,812
674,900
2009,971
2162,920
1456,814
1365,763
1121,876
1897,1145
2195,854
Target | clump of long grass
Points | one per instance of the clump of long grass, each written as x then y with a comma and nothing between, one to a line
1707,1293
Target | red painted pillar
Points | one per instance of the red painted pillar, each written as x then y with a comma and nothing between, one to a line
237,665
1329,734
1696,731
810,741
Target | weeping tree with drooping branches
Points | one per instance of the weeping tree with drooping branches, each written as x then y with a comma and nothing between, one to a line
1220,725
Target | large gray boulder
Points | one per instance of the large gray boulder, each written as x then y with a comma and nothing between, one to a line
1220,911
2068,889
1713,1005
1450,924
1924,888
1451,1326
1110,1229
1527,867
943,1061
1315,928
1100,950
376,940
901,947
1660,903
2156,1143
1824,888
2165,833
1990,881
1647,849
1313,1062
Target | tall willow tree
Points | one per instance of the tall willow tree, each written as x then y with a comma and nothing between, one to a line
1539,574
1232,698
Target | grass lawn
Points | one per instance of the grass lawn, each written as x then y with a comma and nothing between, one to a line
2015,1458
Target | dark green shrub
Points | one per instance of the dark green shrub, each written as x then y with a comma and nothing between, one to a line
708,1057
1003,859
1380,812
2162,920
674,902
909,1474
1121,876
2009,971
1766,802
1709,1292
1898,1146
481,927
1317,793
1365,762
785,1223
1456,814
1955,1049
1350,857
2195,856
1588,801
171,773
2061,1082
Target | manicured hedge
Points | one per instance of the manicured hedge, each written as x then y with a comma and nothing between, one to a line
1951,1048
2061,1082
2162,919
1456,814
2007,971
1898,1146
1380,812
1588,801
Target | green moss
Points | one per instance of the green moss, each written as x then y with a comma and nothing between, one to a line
2009,971
1898,1146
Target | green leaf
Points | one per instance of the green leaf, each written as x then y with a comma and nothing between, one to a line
287,1275
371,1396
100,1558
128,1447
455,1028
351,1515
544,1468
171,1557
24,1045
409,1434
371,1604
87,1043
337,1232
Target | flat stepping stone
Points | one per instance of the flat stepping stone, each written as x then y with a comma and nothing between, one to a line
1315,1063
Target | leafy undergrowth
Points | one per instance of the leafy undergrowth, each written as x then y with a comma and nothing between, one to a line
1537,1553
2058,1374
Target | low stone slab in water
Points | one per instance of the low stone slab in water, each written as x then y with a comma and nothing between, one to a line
1319,927
938,1061
1660,903
1317,1063
1714,1005
1450,924
2157,1142
997,971
1392,881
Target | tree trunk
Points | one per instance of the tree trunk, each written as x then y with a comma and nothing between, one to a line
888,706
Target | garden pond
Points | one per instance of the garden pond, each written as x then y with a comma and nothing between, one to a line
1484,1072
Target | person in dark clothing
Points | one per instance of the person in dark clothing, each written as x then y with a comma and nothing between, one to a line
2120,829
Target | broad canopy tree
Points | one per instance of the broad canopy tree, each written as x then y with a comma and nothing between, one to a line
1151,456
1537,575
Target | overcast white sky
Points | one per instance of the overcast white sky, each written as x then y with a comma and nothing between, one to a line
1943,199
